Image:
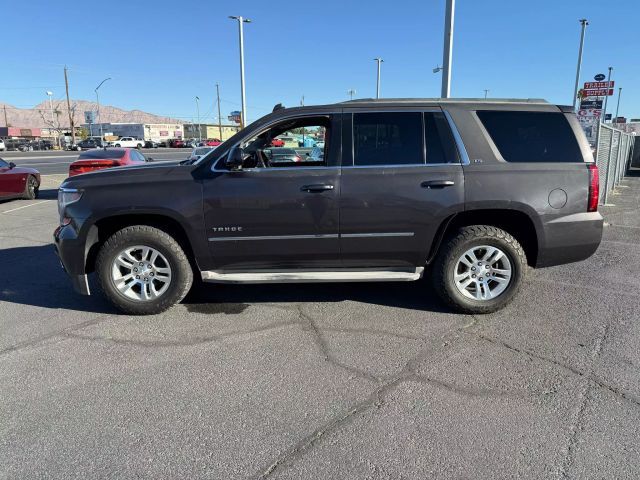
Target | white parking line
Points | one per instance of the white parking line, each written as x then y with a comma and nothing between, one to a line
24,206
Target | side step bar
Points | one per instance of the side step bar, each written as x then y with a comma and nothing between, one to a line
313,276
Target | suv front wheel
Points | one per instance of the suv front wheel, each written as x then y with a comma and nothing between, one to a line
480,269
142,270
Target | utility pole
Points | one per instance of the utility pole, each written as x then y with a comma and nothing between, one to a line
71,122
241,21
302,101
98,105
447,54
618,107
219,117
198,110
584,22
486,92
6,122
606,97
379,61
351,92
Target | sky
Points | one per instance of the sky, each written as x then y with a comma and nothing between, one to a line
161,54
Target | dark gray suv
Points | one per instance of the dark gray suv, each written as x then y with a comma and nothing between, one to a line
471,191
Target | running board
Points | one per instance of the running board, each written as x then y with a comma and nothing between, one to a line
313,276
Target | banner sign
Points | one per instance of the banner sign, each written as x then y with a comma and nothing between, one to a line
591,103
589,85
597,92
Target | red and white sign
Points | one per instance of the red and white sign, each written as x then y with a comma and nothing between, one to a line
592,85
597,92
590,112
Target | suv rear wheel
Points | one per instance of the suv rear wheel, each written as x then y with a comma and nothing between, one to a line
480,269
142,270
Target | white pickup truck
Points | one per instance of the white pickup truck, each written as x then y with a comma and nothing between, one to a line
128,142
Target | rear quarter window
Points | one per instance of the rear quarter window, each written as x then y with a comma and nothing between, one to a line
101,154
533,137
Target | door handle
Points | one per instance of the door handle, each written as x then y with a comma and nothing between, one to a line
437,184
316,188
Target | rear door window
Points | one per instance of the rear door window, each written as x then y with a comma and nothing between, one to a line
440,144
387,138
532,136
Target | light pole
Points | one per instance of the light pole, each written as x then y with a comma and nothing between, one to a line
447,54
351,92
198,113
618,107
379,61
219,117
606,97
50,95
242,20
584,22
486,92
98,104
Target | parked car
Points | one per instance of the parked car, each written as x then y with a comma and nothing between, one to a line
178,143
41,144
99,159
282,155
212,142
19,144
90,143
150,144
277,142
18,182
199,152
473,192
288,141
127,142
3,147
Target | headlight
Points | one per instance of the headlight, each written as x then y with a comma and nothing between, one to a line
67,196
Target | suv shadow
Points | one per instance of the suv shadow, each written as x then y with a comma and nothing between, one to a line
34,277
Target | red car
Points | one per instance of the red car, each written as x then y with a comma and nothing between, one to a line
178,143
101,158
212,142
18,182
276,142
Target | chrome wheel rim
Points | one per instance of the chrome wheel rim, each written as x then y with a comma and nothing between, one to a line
32,187
141,273
483,273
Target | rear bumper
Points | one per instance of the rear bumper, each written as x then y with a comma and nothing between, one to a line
570,239
70,251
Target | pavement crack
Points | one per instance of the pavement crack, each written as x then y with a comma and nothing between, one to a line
186,343
374,400
45,337
309,324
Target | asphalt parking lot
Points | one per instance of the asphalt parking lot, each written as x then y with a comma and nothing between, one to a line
375,381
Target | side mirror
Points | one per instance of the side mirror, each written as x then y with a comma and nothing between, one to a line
150,159
12,165
235,159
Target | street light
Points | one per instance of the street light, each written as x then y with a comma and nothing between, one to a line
50,95
351,92
584,22
486,92
447,52
98,104
379,61
438,69
606,97
242,20
198,110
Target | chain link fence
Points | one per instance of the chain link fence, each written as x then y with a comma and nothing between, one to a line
614,149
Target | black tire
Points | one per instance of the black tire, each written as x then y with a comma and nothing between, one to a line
117,145
138,146
31,188
463,240
181,272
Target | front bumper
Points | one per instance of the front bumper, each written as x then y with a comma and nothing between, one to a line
571,238
70,251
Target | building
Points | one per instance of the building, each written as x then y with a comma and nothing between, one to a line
207,130
20,132
158,132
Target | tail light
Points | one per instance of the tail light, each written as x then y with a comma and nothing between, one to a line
86,168
594,188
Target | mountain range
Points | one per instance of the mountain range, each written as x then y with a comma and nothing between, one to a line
40,116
